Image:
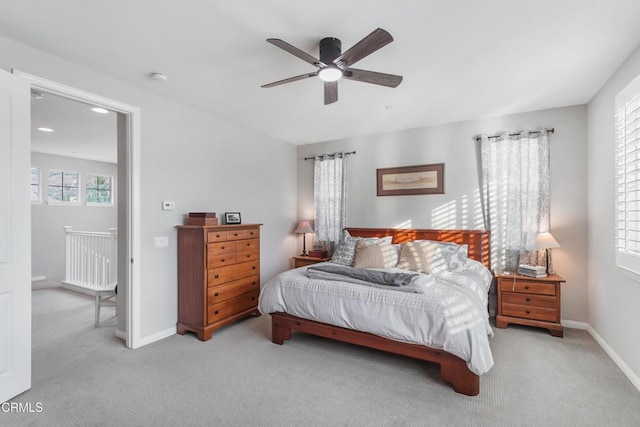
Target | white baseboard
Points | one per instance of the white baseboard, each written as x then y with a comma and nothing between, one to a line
635,379
121,334
157,336
38,278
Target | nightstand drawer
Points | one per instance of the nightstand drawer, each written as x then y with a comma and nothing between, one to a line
528,287
529,312
531,300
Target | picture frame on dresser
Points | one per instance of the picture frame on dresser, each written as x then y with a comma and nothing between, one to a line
232,218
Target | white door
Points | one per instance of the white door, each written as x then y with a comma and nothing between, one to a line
15,236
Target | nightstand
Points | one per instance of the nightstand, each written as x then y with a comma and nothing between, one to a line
301,261
529,301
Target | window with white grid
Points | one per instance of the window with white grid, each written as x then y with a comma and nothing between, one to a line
627,179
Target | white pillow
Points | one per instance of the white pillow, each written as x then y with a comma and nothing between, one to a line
376,254
346,249
428,256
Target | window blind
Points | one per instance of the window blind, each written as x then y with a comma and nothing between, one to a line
627,177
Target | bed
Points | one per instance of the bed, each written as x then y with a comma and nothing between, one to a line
446,323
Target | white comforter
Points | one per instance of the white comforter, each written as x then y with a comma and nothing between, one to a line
450,315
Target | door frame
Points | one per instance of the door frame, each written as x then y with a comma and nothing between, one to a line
132,286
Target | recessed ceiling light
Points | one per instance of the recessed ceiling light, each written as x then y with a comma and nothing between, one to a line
45,129
158,77
99,110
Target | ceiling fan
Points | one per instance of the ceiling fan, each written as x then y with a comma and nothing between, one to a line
334,65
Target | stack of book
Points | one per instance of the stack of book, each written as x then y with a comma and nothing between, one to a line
532,270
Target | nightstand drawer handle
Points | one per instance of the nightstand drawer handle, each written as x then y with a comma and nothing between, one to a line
528,312
216,312
217,236
528,299
248,255
248,244
235,234
526,287
217,276
253,298
253,283
216,294
222,247
253,268
222,260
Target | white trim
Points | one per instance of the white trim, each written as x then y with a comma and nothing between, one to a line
157,336
99,205
121,334
572,324
38,278
132,287
635,379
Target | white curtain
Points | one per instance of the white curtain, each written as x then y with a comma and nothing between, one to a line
330,196
515,184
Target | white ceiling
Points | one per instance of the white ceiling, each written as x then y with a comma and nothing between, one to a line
77,131
461,59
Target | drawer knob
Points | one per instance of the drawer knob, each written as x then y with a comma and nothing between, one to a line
528,299
216,294
222,260
217,236
528,312
248,255
222,247
248,244
253,268
235,234
217,276
253,283
253,298
216,312
526,287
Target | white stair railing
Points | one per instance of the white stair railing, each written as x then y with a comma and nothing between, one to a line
91,259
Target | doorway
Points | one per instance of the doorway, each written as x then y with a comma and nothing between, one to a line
128,198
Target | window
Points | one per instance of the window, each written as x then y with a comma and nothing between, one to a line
99,189
35,184
63,186
627,177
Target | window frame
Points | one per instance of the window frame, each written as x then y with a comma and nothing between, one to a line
37,201
626,154
111,191
62,202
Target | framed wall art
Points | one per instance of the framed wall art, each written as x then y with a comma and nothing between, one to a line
411,180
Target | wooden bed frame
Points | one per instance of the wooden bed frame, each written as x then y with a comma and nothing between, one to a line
452,369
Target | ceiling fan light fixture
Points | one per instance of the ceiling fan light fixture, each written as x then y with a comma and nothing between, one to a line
330,74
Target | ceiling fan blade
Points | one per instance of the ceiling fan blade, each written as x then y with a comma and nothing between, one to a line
374,41
382,79
291,79
296,52
330,92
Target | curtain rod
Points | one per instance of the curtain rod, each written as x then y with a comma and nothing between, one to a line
552,130
332,154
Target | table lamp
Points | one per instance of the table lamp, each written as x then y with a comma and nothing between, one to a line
304,228
546,242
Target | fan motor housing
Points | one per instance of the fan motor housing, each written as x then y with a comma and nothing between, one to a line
330,49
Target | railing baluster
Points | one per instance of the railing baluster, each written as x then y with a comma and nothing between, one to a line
91,258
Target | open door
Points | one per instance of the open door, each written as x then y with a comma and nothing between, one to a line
15,237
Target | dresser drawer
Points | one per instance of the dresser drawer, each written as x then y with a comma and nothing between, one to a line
229,290
235,234
229,273
231,306
528,287
529,299
252,233
216,236
215,261
247,256
221,248
248,245
529,312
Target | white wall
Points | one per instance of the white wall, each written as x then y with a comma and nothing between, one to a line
47,221
454,144
198,160
613,297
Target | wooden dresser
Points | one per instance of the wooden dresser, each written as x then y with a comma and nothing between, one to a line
218,276
529,301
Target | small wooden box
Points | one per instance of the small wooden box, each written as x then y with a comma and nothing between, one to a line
318,254
202,218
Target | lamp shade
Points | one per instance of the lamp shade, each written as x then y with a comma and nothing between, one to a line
303,228
546,241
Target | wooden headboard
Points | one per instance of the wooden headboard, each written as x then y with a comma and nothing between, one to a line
477,240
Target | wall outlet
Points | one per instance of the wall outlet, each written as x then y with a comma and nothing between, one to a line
168,206
161,242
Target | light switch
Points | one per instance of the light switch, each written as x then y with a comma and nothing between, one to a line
161,242
168,206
